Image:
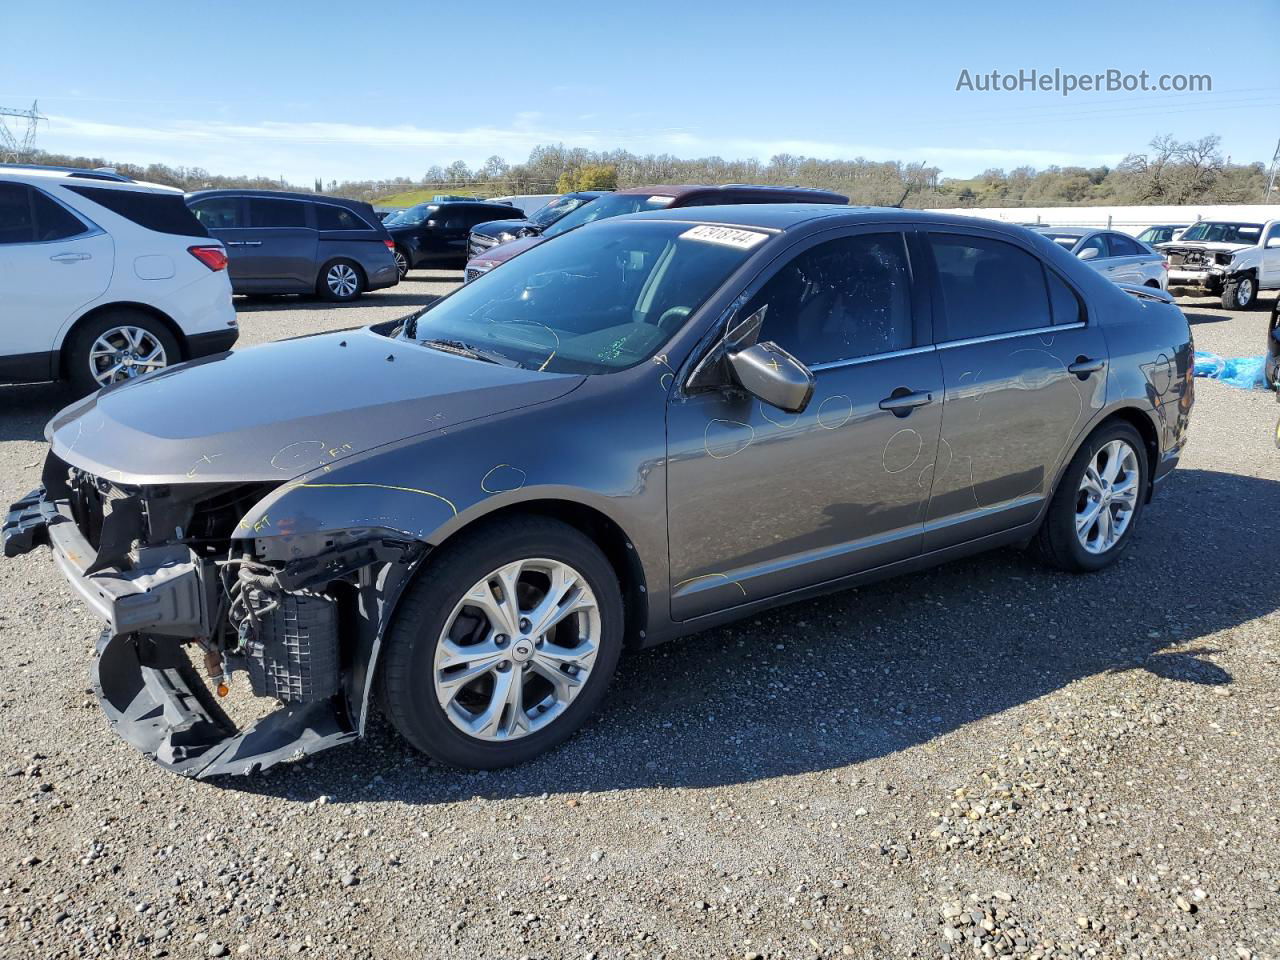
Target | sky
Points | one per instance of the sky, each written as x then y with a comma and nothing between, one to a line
342,91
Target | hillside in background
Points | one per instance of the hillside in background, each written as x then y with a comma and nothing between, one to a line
1168,171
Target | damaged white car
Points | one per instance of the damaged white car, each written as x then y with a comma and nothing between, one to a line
1234,260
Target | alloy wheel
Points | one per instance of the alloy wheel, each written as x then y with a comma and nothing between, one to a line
123,353
1107,497
1244,291
342,280
517,649
402,263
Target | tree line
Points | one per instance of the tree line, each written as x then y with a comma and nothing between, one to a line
1168,171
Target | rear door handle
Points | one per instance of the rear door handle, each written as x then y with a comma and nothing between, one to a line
250,243
902,401
1085,366
71,257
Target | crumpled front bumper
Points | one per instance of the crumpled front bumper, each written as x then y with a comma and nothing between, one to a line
150,692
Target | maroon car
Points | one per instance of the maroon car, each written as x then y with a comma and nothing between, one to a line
637,199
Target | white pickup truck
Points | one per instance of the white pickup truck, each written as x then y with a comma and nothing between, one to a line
1235,260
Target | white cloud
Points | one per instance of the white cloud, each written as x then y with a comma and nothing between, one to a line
301,150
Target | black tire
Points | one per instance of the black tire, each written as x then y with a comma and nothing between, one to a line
1241,294
1057,541
403,263
77,364
341,281
408,693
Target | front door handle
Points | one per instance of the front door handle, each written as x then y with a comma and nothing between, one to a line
902,401
250,243
1085,366
70,257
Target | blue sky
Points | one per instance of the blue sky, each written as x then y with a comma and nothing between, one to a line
338,91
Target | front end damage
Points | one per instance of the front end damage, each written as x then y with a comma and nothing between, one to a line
178,583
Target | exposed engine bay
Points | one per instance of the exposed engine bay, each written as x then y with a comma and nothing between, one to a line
183,590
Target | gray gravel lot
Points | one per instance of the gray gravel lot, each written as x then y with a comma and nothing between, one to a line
986,759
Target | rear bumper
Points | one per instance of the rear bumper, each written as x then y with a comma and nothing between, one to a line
383,277
206,344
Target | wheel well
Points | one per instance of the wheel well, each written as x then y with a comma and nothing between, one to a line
1153,283
364,277
609,537
1147,431
96,312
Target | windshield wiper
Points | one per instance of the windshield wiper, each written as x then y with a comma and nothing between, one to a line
463,349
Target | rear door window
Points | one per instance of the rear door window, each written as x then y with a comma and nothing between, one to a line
988,287
17,225
53,220
219,213
1122,246
273,212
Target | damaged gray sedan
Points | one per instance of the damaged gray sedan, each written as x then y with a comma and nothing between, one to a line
643,428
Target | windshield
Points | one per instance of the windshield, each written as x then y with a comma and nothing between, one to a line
596,301
412,215
602,208
1223,232
546,215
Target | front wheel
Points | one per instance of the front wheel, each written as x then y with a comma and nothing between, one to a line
340,281
1098,502
1240,294
504,645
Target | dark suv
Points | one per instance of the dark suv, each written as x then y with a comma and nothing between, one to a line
500,231
435,234
298,243
641,199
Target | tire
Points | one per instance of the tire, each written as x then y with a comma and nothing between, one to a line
411,672
1059,544
1241,294
134,333
341,281
403,263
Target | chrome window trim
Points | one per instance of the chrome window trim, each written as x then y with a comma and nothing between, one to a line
1031,332
871,357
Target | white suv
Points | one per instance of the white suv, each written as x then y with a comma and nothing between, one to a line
103,278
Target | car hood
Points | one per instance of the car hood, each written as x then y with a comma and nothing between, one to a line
277,411
505,251
1201,245
492,228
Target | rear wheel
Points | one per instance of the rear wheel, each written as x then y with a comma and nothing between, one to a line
402,262
504,645
120,344
340,281
1098,502
1239,294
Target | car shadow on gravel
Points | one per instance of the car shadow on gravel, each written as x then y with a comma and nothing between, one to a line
26,408
865,673
1198,318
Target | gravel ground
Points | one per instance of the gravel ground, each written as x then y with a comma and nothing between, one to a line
986,759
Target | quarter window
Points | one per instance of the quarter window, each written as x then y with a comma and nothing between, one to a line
330,217
988,286
17,225
1067,307
842,299
270,212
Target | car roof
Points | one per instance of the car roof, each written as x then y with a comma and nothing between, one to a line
1069,231
275,194
39,173
785,216
681,191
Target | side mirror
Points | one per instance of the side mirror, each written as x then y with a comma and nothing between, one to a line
767,371
1088,253
430,224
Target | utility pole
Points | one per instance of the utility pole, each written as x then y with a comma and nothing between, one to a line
15,149
1275,170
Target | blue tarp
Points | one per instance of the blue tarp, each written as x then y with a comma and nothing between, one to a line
1242,372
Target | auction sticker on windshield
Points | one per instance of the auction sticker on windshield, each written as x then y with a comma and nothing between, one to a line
728,236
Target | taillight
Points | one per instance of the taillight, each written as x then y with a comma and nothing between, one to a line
215,258
391,245
1164,264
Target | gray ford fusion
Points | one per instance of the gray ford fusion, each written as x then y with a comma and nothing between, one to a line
635,431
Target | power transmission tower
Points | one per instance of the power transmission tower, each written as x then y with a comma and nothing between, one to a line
15,149
1275,169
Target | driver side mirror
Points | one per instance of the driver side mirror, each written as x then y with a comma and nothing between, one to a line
1088,253
768,372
